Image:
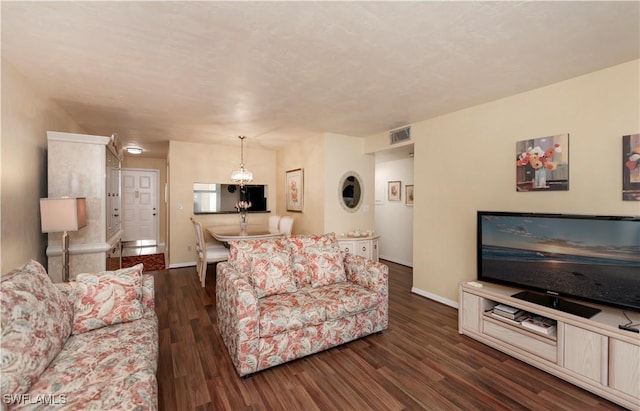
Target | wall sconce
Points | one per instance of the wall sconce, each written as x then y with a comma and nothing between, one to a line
62,215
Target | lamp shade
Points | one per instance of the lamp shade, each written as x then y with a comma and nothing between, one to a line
63,214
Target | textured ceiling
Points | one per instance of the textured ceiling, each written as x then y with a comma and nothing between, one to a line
282,71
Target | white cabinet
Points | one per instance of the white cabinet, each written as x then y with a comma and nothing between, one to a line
81,165
590,353
366,247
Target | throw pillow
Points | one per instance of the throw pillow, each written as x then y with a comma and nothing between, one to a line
35,319
241,251
298,245
107,298
326,265
271,274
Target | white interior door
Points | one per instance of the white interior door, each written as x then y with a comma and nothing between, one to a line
140,205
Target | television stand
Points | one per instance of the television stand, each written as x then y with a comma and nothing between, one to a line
592,353
557,303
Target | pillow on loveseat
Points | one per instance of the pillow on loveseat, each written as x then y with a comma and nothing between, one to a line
271,274
326,265
36,322
299,244
107,298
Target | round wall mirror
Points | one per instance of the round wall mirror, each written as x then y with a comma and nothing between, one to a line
350,190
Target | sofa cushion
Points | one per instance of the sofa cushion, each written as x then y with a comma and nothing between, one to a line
271,273
35,319
286,312
298,245
107,298
242,251
326,265
344,299
109,368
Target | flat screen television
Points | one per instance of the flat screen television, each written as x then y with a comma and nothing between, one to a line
550,256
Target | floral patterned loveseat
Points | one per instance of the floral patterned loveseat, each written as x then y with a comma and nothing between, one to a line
91,344
281,299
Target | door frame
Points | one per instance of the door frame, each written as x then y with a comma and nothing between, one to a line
157,199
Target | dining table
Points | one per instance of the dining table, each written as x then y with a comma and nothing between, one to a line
225,234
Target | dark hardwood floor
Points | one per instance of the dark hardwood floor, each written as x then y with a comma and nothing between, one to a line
419,363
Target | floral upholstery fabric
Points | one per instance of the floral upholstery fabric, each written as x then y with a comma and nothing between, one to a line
112,367
272,274
298,245
326,266
264,332
107,298
36,322
286,312
241,251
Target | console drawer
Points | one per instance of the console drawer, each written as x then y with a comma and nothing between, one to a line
538,346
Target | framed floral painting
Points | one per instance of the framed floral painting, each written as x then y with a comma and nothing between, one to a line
631,167
394,190
542,164
408,195
295,189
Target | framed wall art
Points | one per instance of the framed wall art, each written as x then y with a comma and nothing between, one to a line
394,190
295,189
408,195
631,167
542,164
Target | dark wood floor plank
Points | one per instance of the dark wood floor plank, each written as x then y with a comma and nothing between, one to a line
420,363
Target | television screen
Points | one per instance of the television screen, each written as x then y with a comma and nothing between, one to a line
594,258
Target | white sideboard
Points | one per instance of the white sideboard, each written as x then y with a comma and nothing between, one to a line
591,353
366,247
87,166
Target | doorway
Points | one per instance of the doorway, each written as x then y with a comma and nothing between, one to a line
140,202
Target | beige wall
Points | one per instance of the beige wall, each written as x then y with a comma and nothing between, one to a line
130,161
27,114
325,159
209,163
465,161
341,155
308,155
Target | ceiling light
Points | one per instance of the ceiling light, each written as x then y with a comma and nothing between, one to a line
241,176
134,150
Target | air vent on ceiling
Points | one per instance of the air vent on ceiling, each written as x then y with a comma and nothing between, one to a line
399,135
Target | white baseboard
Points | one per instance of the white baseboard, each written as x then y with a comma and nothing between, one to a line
182,265
397,261
435,297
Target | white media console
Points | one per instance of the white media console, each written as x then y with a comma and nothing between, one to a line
591,353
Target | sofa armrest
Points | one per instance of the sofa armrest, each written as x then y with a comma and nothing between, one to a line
148,292
367,273
238,317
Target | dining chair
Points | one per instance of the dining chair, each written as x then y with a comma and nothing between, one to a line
274,220
207,252
286,225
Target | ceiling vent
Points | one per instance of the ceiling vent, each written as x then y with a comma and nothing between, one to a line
399,135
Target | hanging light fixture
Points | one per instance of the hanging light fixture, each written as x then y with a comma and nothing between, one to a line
242,175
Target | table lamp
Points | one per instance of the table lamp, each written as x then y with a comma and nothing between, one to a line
62,215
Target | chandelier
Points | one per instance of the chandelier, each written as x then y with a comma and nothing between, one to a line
241,175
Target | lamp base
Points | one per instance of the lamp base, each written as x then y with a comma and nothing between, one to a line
65,257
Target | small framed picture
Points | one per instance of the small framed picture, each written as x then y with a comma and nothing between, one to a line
394,190
631,167
408,194
295,189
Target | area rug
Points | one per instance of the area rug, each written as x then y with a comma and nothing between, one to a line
152,262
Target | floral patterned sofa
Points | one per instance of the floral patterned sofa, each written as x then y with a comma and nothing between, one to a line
282,299
91,344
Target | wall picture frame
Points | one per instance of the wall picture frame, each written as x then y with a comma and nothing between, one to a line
393,190
631,167
294,188
542,164
408,194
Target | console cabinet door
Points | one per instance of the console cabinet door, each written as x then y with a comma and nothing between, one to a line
470,312
586,353
624,368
